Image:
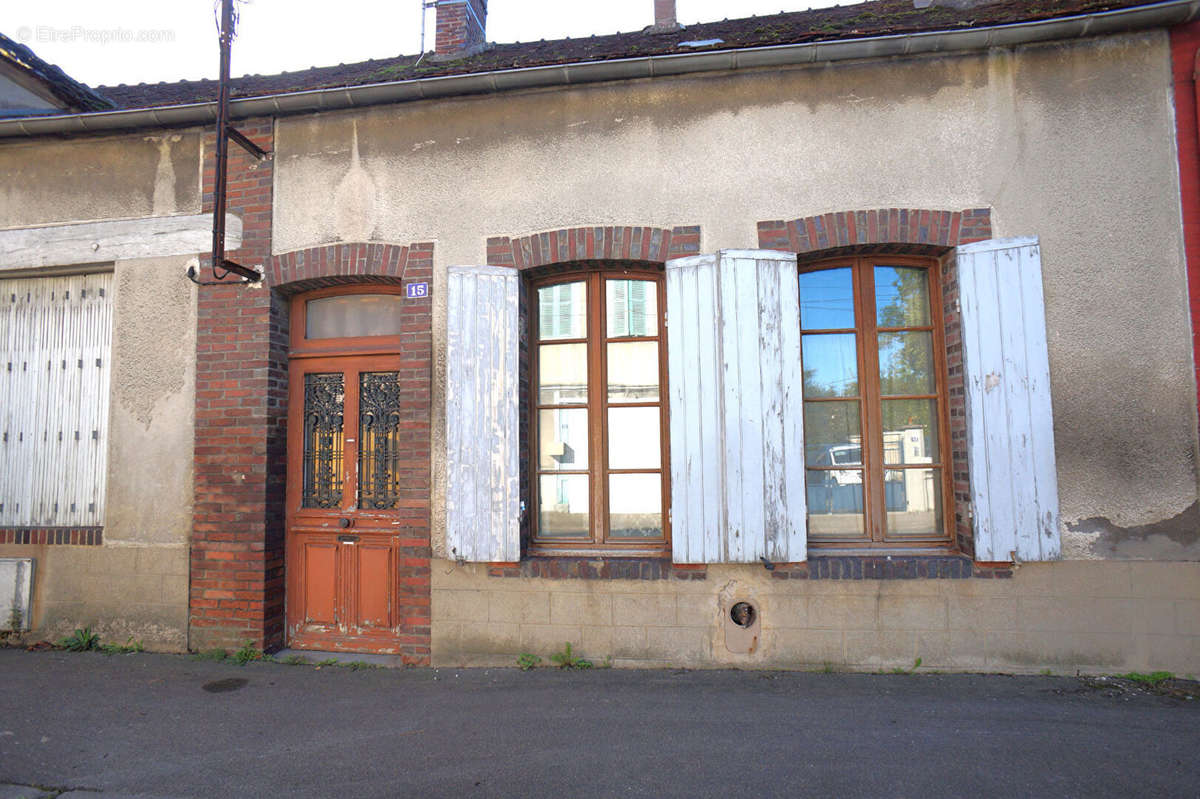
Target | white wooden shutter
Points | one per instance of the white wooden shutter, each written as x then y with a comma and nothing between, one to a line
737,446
482,400
56,335
1010,427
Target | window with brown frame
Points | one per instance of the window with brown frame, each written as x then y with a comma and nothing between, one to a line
599,474
877,451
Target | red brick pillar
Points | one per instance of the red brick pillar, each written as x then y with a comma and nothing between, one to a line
241,412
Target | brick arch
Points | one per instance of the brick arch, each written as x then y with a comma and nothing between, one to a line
593,243
352,262
919,230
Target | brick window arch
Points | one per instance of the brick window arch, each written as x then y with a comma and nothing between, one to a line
352,262
566,245
915,231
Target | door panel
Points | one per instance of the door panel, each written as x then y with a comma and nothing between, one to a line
374,590
344,445
320,582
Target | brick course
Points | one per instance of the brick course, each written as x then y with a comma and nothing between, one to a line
53,536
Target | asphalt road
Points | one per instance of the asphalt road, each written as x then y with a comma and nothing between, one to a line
90,725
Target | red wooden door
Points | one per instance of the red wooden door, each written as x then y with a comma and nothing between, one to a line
344,438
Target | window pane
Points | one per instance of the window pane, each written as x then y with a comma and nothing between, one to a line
324,401
832,434
632,307
562,311
379,440
830,365
835,504
910,433
901,296
562,374
633,371
563,506
827,299
353,315
906,363
914,503
635,506
563,439
633,438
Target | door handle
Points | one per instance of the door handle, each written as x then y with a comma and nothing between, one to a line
344,523
347,539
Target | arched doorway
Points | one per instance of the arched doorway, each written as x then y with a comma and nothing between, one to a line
348,449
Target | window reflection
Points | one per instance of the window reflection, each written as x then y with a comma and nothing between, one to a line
827,299
872,435
562,311
562,374
563,439
635,505
599,411
632,308
914,502
830,365
901,296
563,506
906,363
633,371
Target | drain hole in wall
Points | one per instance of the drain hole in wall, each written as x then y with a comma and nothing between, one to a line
742,614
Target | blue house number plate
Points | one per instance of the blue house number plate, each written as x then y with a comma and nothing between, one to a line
415,291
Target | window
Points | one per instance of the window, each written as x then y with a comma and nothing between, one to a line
599,474
875,413
56,336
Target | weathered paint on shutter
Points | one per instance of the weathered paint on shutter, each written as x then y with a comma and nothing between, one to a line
737,445
56,335
482,400
1010,426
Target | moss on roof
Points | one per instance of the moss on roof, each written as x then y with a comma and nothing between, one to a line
862,20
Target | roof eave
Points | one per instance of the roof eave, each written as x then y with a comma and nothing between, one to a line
1161,15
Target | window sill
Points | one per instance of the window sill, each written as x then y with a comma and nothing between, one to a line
598,567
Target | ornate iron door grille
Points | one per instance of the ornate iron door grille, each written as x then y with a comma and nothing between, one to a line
379,440
324,409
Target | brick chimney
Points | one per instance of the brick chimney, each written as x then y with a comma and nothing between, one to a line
664,14
461,27
664,17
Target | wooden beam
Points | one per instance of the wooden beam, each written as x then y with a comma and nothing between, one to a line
116,240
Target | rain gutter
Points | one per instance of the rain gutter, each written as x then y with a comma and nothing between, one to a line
1159,15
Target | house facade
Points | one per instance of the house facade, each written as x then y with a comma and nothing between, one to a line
849,337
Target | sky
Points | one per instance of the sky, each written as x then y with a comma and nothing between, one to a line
148,41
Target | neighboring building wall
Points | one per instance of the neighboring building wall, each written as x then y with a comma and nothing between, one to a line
1060,141
134,583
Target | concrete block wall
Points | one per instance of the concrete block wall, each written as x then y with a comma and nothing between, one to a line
120,592
1065,616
